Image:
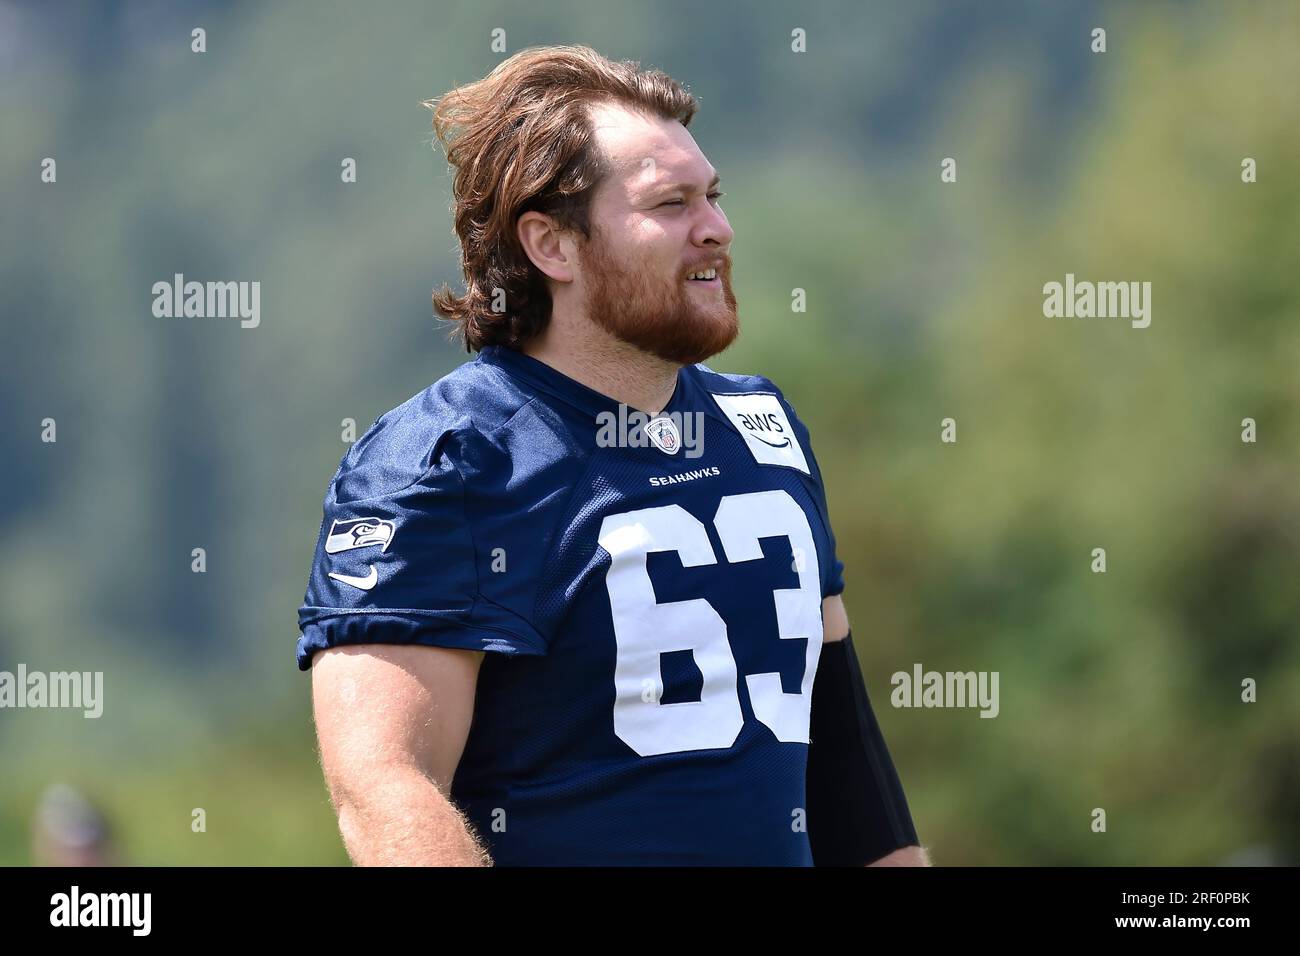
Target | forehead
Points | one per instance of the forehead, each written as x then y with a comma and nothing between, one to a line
644,151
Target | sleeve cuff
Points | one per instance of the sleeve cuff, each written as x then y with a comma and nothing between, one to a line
336,628
835,580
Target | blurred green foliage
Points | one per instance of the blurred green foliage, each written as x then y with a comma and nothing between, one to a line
1118,690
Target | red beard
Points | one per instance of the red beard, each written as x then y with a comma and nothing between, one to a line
657,315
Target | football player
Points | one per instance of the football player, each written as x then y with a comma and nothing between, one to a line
578,603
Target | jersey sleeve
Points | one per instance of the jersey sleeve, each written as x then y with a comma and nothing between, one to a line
395,560
833,570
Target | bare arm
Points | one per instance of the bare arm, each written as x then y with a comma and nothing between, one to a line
835,620
392,721
905,856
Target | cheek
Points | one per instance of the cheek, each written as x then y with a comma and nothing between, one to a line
653,248
650,248
649,235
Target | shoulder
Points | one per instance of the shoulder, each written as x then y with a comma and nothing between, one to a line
732,383
756,407
726,384
430,428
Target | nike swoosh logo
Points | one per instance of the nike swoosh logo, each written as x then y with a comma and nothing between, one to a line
364,584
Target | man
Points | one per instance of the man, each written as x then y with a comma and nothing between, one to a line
539,632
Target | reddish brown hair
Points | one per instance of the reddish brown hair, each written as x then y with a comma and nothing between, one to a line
521,139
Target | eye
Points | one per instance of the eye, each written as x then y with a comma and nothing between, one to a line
715,195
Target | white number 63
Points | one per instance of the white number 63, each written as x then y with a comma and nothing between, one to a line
644,629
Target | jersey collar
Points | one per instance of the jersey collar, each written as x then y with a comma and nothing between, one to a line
556,383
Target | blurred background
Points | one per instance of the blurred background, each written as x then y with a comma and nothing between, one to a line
1119,690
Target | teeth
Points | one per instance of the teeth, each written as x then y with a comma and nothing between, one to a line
706,274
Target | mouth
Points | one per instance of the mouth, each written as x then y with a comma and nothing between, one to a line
705,277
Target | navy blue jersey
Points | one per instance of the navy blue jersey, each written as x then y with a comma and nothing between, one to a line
650,599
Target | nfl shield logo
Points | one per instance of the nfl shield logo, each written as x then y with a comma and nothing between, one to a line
663,434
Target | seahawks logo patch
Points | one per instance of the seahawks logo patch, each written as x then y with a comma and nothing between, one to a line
359,533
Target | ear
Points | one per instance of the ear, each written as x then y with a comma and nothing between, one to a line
548,248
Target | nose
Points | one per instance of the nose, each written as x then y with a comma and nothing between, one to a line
712,229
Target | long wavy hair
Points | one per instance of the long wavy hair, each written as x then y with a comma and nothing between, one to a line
521,139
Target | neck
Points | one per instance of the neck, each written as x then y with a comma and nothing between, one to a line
588,354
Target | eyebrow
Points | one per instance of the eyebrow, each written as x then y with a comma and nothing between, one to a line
658,188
